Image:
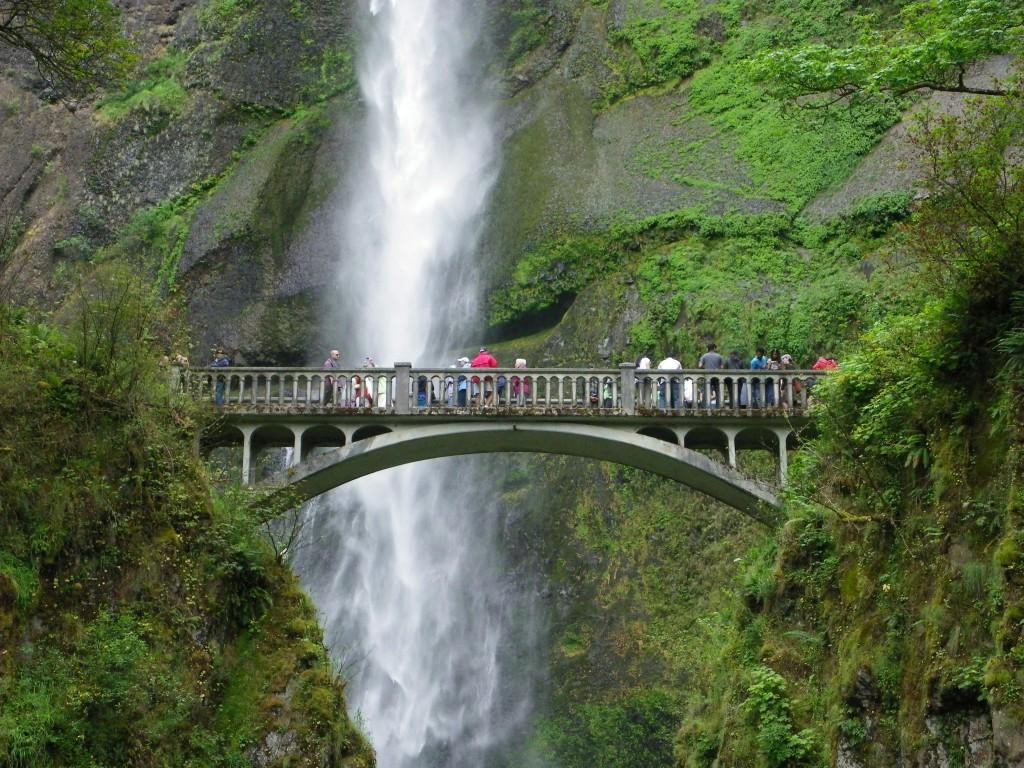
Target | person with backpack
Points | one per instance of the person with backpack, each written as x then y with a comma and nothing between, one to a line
462,396
771,386
669,364
712,361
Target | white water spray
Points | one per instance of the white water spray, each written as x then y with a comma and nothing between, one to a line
407,574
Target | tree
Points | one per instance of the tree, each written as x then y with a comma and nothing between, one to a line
931,46
77,45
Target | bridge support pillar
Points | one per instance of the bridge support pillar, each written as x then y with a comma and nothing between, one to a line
247,454
783,436
627,388
402,376
297,448
730,438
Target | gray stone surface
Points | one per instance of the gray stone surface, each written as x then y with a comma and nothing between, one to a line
896,165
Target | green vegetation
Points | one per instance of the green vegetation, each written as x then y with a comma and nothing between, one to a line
635,733
741,280
672,43
157,96
526,20
931,45
77,45
154,239
143,618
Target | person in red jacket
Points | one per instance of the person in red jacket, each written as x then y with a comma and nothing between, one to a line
484,360
825,363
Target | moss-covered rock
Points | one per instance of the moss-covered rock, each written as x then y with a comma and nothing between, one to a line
144,617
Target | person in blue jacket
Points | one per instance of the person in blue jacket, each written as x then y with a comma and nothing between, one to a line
759,363
220,360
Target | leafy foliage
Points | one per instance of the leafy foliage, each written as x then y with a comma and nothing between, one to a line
637,732
769,706
932,44
77,45
157,96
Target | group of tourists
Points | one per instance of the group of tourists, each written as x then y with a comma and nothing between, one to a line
763,390
458,390
463,390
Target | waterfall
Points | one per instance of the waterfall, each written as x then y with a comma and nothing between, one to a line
419,609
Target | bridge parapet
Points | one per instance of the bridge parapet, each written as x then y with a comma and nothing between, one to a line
405,390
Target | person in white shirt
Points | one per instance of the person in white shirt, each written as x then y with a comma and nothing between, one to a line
644,383
669,364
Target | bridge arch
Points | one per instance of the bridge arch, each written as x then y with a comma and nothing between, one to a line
319,474
320,436
364,433
664,434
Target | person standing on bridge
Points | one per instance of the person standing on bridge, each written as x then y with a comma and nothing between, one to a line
333,361
669,364
758,363
220,360
462,396
485,360
736,388
712,361
644,383
520,385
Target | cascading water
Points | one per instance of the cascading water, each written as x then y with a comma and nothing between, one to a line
406,567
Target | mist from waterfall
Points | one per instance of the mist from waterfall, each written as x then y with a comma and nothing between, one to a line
419,608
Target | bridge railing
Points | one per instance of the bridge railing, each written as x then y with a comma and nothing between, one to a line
407,390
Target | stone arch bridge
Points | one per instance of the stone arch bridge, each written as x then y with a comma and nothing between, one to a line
344,424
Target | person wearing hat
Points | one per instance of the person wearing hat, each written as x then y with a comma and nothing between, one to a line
484,360
462,399
786,399
220,360
520,385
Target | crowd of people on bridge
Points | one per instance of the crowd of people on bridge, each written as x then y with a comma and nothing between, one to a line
763,391
464,390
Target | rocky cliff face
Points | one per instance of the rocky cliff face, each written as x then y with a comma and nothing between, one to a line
201,172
